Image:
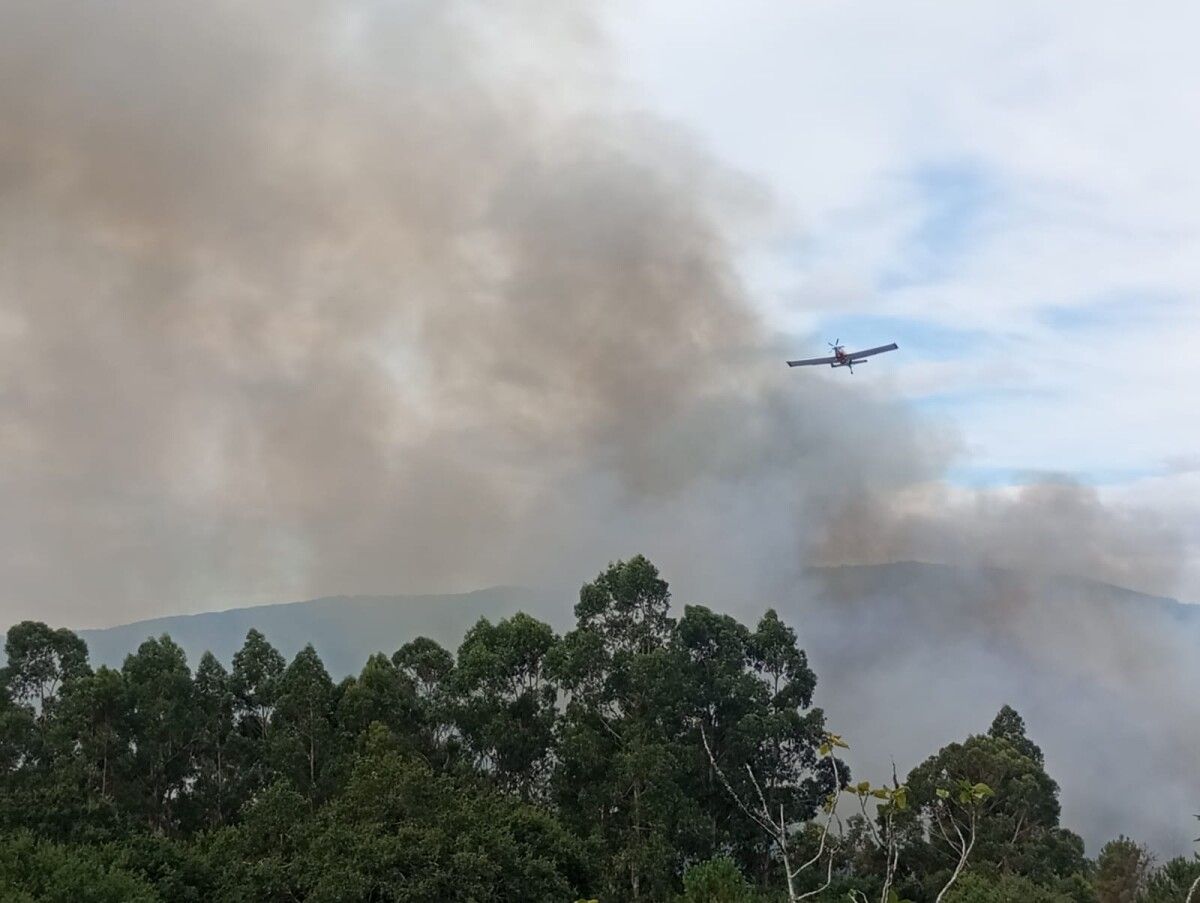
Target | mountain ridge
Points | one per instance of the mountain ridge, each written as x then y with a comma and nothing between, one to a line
906,568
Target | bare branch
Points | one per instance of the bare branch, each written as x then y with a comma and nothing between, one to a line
762,799
828,821
768,825
964,848
1020,824
778,832
870,823
892,849
823,887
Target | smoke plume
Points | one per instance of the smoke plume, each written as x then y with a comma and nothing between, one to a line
315,297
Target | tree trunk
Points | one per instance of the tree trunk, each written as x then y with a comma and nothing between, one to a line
635,878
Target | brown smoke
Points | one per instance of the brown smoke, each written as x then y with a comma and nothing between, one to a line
314,297
1054,527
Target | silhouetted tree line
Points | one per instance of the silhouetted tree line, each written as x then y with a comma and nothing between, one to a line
639,757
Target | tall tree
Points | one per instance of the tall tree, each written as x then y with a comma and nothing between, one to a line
73,759
40,661
303,741
215,789
622,777
383,694
748,693
257,669
430,667
164,728
1009,726
627,606
1122,869
505,703
93,720
1017,829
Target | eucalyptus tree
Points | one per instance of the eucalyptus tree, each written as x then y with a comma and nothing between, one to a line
40,661
303,728
505,703
164,729
429,667
215,791
254,681
1012,829
621,779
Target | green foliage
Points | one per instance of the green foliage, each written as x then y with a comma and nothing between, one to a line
36,870
382,693
177,870
163,726
976,888
1171,882
1010,727
620,777
626,607
398,832
505,705
214,797
717,880
257,669
40,661
428,668
627,760
262,856
302,727
997,781
1122,869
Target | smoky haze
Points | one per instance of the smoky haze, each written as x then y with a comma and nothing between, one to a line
315,298
312,298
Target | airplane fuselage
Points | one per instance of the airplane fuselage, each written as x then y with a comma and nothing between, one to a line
844,359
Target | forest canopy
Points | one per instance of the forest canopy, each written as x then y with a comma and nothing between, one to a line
647,754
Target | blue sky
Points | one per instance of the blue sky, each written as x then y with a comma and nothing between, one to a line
956,202
1008,190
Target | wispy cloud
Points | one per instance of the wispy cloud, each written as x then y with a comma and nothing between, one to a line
1012,181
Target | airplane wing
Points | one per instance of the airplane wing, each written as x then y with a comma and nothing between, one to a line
812,361
880,350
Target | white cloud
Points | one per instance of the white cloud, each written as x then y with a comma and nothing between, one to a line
1082,123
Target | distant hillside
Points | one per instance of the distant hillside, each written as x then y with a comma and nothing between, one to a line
343,629
346,629
909,657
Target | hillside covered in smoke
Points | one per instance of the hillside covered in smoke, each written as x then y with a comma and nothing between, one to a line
908,655
645,752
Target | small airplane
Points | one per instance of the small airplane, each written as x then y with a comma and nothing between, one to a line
840,358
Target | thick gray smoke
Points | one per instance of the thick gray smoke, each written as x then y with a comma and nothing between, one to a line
1052,528
324,297
307,297
916,657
